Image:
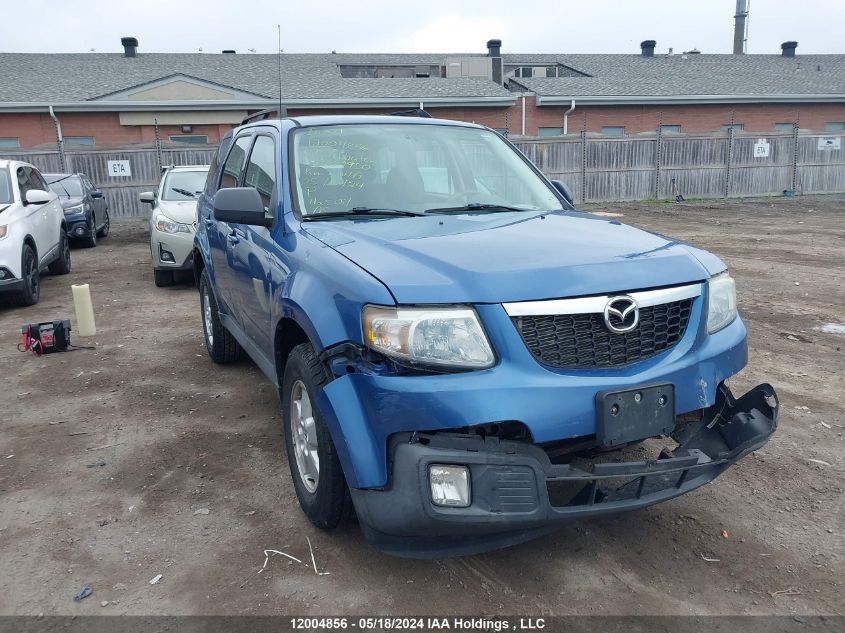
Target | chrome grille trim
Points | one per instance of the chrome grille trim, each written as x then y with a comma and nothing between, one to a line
590,305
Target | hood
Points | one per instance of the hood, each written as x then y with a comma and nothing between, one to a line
184,211
495,258
70,201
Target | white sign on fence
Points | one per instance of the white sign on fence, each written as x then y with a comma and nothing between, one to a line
119,168
830,142
761,148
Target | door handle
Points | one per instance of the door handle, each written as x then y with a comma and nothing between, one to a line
233,237
208,221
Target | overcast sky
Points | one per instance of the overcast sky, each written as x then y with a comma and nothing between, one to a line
362,26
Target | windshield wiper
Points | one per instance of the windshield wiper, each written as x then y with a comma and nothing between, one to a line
184,192
360,211
474,207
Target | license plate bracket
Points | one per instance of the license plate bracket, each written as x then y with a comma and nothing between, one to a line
634,414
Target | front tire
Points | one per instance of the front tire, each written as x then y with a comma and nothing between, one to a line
223,348
314,465
31,278
90,240
104,230
61,266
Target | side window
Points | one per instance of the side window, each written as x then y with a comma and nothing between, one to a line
216,164
24,183
234,166
37,180
261,169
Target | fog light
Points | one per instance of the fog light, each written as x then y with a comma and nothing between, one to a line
79,230
4,273
167,256
449,485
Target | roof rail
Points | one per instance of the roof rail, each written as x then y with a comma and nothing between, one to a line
417,112
263,115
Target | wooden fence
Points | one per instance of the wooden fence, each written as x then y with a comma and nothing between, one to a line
596,168
661,165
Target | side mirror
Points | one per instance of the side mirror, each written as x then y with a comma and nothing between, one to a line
36,196
564,191
241,205
145,196
96,194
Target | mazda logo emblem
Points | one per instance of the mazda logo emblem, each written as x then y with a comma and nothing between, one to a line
621,314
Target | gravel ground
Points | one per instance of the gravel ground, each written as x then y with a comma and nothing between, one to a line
143,458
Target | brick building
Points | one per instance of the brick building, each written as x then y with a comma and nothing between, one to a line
117,99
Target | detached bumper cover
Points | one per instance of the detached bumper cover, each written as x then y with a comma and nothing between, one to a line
518,494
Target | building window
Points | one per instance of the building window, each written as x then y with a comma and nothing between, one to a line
551,131
836,126
198,139
613,130
785,128
670,129
9,143
79,140
736,127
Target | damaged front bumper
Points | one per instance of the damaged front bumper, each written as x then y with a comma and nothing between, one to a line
519,494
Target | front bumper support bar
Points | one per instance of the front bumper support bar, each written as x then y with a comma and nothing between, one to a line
518,494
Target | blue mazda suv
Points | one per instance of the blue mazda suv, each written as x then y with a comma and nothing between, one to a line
463,359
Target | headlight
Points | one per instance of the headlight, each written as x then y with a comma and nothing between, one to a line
166,225
80,208
721,301
445,337
4,231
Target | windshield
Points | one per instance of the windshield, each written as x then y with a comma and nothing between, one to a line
183,185
415,168
5,187
67,186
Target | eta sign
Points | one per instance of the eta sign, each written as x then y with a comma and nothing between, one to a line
119,168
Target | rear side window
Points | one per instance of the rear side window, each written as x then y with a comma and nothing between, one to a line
216,164
261,169
233,168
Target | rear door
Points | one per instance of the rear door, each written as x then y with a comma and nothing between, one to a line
220,234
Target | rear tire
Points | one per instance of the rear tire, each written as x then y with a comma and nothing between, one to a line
314,465
163,278
104,230
223,348
31,278
61,266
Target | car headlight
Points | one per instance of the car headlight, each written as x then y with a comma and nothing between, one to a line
444,337
4,231
79,208
721,301
166,225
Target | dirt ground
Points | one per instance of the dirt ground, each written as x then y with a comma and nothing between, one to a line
143,458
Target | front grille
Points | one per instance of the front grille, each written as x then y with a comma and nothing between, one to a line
583,341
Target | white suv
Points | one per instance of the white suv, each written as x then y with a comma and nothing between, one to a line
33,234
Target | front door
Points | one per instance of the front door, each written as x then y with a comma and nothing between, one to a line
253,243
221,236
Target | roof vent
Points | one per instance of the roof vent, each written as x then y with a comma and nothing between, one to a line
494,48
694,51
229,51
647,47
788,49
130,46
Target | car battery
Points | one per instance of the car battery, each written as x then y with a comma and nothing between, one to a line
45,338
